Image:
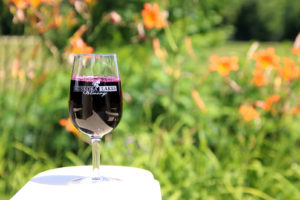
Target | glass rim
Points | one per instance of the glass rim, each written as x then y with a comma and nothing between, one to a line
94,54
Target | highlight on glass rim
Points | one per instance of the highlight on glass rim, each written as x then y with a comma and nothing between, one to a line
190,99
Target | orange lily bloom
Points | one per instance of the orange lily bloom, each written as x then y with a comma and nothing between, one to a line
152,17
268,103
295,110
259,77
224,64
67,123
34,3
21,4
290,70
90,1
296,51
266,58
79,46
248,113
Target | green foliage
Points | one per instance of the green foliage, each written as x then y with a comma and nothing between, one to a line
267,20
195,151
194,154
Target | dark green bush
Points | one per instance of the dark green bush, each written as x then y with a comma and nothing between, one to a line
6,25
267,20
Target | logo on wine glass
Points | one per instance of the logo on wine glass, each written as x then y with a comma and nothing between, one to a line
95,89
97,84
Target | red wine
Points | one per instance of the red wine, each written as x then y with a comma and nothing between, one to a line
95,104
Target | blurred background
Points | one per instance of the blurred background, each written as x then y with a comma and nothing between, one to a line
211,92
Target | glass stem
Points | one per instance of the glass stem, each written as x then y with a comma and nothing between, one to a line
96,157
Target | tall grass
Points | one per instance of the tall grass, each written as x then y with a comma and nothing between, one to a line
26,128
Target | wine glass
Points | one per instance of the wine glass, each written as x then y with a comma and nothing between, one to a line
95,101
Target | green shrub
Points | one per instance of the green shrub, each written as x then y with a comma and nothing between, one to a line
267,20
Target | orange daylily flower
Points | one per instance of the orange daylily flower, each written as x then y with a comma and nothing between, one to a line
224,64
290,70
152,17
21,4
91,1
248,113
295,110
67,123
296,51
34,3
270,100
79,46
268,103
266,58
57,20
259,77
